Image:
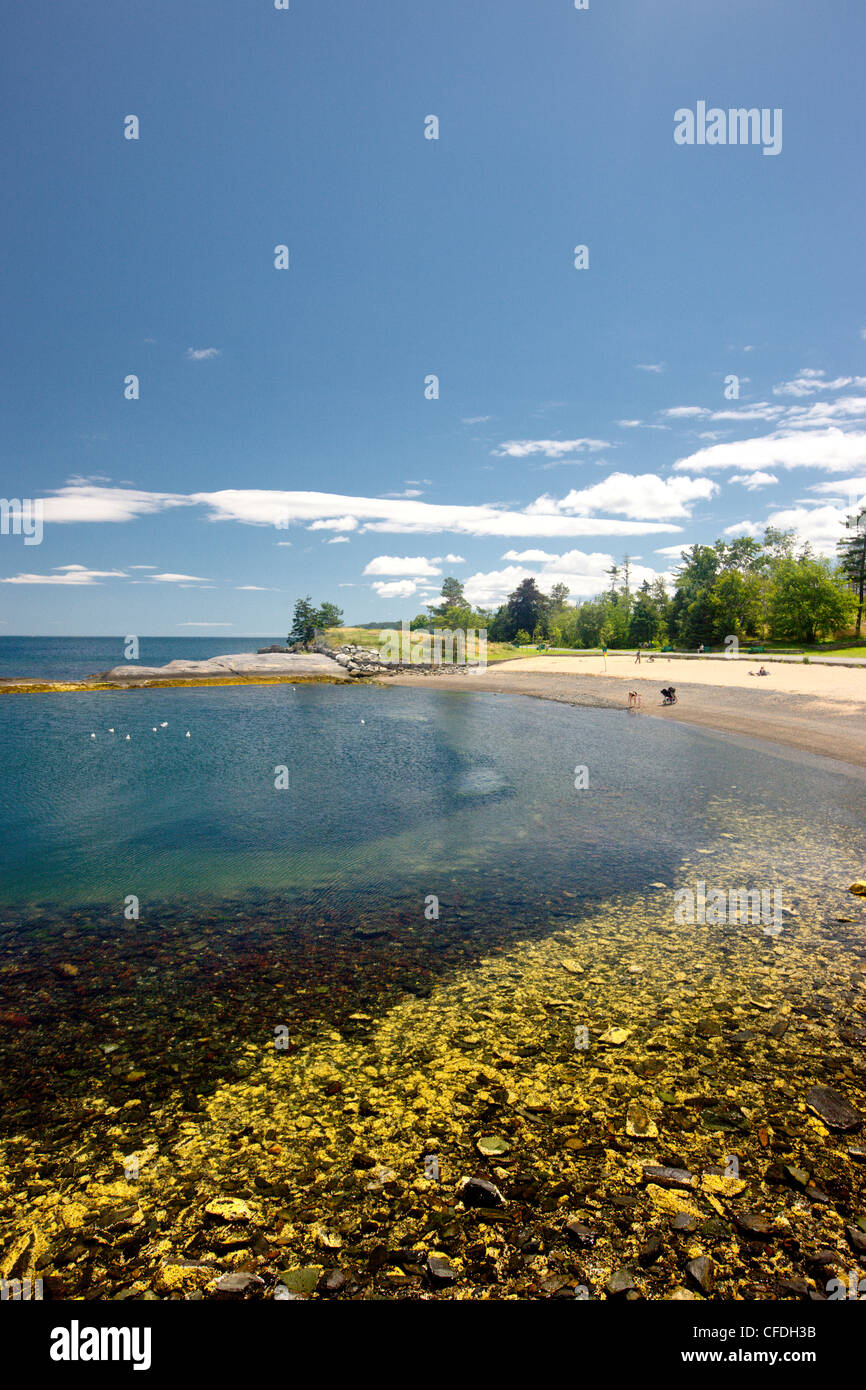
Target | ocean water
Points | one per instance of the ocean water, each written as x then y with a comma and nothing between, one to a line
71,658
385,787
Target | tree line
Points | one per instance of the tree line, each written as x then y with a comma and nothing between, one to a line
770,589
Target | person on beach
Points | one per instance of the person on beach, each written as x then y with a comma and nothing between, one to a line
637,657
701,649
632,699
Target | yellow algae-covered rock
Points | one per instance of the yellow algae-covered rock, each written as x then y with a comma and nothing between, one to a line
615,1037
182,1276
671,1202
228,1209
72,1215
722,1185
859,888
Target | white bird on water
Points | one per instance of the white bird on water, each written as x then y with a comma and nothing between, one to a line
154,728
127,738
187,733
363,721
93,735
111,731
164,724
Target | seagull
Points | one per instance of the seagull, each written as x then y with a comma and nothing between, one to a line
93,735
187,733
363,721
111,731
154,728
164,724
127,738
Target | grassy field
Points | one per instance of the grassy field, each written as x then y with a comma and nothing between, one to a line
365,637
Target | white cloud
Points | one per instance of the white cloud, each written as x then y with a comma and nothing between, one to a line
529,557
833,451
636,495
744,528
811,380
673,552
397,588
336,523
78,502
143,567
650,367
754,480
401,564
255,588
476,419
455,560
583,574
263,507
66,574
202,354
851,491
206,625
550,448
179,579
629,424
822,527
338,540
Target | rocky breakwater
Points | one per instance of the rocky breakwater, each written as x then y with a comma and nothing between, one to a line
368,661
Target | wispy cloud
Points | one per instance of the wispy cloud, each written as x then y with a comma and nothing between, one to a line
66,574
751,481
179,579
550,448
202,354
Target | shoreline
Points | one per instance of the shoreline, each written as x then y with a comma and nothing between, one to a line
811,709
811,722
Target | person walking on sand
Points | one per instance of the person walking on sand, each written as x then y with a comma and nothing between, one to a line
637,657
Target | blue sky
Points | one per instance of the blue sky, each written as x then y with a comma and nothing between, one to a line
282,442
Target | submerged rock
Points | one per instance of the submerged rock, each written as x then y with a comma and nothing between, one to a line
701,1273
639,1123
492,1146
669,1177
620,1282
228,1209
440,1269
833,1109
476,1192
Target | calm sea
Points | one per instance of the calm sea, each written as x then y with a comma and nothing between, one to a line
70,658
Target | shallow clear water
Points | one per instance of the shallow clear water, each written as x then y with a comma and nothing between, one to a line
384,787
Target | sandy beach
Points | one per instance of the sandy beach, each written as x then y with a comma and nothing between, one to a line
811,708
